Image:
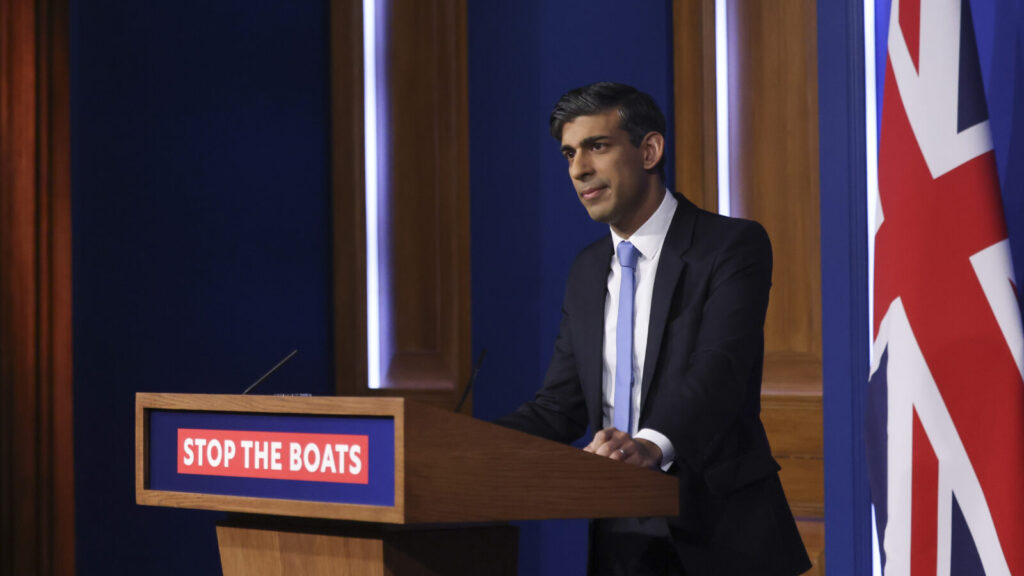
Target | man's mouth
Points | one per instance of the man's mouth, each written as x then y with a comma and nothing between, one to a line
591,193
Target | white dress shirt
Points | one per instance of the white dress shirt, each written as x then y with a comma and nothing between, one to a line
648,240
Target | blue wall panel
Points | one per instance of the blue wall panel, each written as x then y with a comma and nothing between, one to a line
843,126
200,238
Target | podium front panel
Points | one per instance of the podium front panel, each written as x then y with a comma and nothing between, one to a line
339,459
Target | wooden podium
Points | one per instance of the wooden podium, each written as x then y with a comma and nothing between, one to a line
409,489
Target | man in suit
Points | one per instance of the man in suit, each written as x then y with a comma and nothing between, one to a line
660,350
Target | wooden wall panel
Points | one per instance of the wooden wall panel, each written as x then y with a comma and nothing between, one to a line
773,120
773,137
695,107
36,457
428,192
424,200
348,199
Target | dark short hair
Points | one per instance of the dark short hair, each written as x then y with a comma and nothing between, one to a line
640,115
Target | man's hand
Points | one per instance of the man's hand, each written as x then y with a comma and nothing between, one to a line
618,445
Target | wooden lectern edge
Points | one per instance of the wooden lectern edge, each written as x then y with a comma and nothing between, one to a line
318,405
271,506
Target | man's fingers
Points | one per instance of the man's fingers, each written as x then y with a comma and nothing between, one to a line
617,445
603,436
608,448
608,441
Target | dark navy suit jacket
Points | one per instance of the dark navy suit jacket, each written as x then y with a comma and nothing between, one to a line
701,387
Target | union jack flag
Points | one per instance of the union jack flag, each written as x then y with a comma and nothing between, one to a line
945,420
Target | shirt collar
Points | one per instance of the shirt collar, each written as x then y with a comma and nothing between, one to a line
649,237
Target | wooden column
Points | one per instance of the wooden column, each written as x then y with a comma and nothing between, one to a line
773,118
348,199
774,176
36,457
424,199
695,107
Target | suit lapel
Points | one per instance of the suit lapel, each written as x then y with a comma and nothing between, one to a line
670,269
591,337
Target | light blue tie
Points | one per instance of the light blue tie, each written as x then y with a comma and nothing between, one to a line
624,341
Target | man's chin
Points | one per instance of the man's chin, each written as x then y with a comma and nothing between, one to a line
598,212
598,215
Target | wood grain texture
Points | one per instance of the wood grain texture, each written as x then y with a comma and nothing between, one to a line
36,435
256,552
426,192
348,197
423,177
791,411
347,550
459,469
773,115
696,140
449,468
802,481
791,408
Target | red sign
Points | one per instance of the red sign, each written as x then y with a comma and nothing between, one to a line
277,455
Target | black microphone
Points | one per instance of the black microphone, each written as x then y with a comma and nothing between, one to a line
271,371
472,380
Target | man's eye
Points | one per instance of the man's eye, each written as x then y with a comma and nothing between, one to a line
597,146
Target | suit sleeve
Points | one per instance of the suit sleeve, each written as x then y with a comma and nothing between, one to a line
719,384
558,411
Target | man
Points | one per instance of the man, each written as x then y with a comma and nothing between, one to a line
660,349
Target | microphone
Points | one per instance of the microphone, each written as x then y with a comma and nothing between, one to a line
271,371
472,380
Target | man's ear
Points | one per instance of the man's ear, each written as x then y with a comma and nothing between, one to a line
653,148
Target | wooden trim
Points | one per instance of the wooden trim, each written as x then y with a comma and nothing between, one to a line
774,175
348,199
36,438
695,102
426,344
424,212
270,404
297,508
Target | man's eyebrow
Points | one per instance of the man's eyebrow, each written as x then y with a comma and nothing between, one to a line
590,140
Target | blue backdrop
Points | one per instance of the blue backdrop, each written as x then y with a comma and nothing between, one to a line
200,238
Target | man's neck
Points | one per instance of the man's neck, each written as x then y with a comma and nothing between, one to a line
655,194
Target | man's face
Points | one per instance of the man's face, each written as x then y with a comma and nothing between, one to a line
607,171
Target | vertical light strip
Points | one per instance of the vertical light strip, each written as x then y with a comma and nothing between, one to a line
871,140
722,105
871,156
370,153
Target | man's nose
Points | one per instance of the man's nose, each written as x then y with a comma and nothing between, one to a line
580,169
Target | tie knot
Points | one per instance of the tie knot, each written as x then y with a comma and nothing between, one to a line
628,255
